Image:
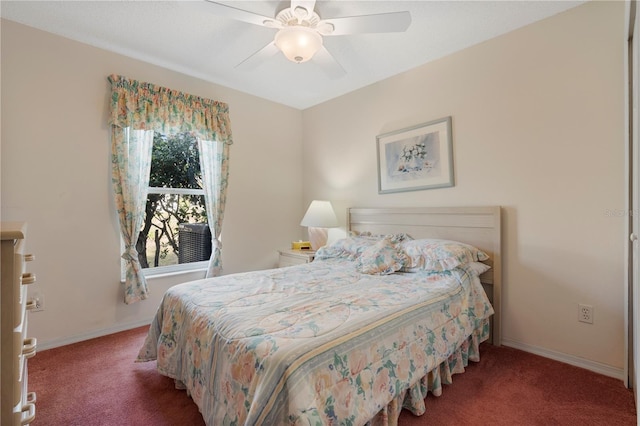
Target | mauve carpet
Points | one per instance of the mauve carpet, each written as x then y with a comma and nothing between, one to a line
97,382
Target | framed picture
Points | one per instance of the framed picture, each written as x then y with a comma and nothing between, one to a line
415,158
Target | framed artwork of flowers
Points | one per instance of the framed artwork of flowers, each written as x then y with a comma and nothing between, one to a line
415,158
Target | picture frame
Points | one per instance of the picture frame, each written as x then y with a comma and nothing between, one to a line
416,158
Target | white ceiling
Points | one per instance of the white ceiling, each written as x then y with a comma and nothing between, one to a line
186,36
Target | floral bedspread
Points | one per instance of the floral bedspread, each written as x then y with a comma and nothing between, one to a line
311,344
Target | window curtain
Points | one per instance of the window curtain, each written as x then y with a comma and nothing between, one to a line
214,163
130,167
137,110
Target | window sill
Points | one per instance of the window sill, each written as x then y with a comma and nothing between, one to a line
174,273
152,274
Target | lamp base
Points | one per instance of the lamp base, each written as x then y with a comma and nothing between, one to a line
317,237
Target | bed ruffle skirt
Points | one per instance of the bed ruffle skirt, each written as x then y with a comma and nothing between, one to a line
413,398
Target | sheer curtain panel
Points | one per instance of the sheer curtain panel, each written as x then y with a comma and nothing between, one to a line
130,166
214,163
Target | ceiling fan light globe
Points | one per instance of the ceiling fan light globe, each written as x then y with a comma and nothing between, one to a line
298,43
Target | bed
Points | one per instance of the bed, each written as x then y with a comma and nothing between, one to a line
331,342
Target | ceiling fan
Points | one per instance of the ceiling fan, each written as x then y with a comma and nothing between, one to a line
301,31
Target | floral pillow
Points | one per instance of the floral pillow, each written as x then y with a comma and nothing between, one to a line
382,258
439,255
352,247
395,238
345,248
479,267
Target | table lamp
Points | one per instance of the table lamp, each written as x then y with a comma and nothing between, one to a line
317,219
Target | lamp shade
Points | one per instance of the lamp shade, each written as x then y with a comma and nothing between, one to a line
298,43
320,214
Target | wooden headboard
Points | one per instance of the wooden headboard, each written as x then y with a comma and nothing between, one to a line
478,226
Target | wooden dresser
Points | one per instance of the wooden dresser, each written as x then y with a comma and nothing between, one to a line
17,405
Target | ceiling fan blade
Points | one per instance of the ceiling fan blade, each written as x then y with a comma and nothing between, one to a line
238,14
307,4
328,63
259,57
381,23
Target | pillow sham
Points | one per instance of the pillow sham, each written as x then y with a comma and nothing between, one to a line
395,238
439,255
479,267
348,248
382,258
352,247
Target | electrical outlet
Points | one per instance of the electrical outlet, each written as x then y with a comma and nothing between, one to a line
37,299
585,313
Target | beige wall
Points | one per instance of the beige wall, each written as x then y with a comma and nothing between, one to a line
537,128
55,174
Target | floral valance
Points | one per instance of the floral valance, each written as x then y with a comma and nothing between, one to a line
145,106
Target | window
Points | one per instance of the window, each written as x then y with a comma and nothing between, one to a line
175,198
136,108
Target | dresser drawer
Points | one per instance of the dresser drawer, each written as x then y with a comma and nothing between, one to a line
26,349
25,412
21,280
17,366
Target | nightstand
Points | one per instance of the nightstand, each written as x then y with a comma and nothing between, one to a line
295,257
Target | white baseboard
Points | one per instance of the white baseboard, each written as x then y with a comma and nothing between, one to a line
50,344
604,369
